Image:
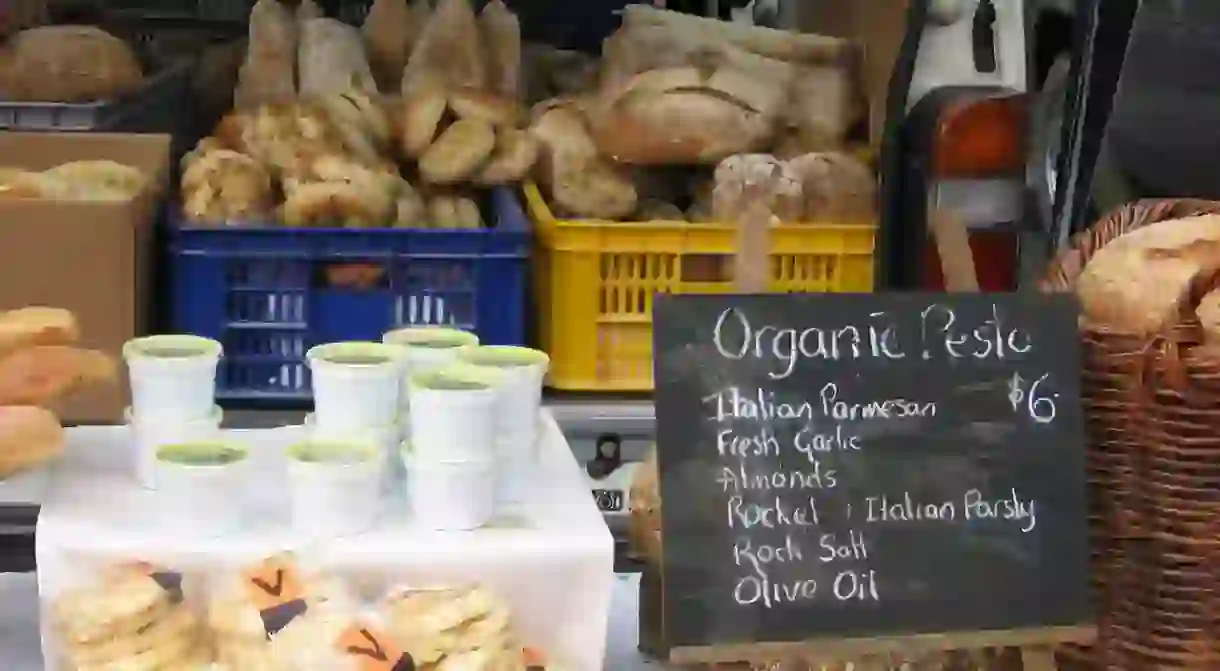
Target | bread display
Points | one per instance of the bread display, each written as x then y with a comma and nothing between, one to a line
274,615
1135,283
68,64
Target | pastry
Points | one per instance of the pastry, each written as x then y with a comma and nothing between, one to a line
31,326
119,604
40,374
500,31
353,205
389,31
29,436
659,210
514,155
466,214
421,117
164,640
331,59
226,186
460,625
102,179
836,187
442,211
590,188
458,152
495,110
410,208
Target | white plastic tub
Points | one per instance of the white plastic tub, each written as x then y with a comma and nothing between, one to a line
334,486
202,487
150,432
356,384
453,413
449,495
172,376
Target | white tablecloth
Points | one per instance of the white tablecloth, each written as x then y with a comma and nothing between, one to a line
552,558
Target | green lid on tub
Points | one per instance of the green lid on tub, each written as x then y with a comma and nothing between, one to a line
504,356
210,453
431,337
171,346
337,452
457,377
354,353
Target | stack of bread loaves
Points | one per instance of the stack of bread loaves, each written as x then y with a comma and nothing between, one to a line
38,366
314,141
677,94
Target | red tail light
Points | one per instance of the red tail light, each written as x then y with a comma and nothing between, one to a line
978,172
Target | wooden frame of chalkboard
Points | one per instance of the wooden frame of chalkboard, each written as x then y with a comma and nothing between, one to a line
845,476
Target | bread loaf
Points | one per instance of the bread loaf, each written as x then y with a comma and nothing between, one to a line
458,152
331,59
1135,283
70,64
682,115
580,181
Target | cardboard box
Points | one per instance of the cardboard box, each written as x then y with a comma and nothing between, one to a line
91,258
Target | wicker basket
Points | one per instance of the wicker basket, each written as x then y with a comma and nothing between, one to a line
1152,406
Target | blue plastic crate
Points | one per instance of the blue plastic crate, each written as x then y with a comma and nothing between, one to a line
263,292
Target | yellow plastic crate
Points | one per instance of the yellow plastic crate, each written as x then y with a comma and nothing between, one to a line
594,282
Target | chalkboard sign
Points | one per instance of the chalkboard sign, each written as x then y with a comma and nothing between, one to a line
858,466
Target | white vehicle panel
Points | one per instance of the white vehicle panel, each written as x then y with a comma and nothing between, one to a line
945,56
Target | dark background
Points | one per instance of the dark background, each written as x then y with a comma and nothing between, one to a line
932,576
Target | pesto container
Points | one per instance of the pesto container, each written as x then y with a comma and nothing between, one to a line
334,485
356,385
173,377
426,348
201,486
453,413
517,418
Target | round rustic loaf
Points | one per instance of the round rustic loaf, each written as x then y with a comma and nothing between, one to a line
1135,283
71,64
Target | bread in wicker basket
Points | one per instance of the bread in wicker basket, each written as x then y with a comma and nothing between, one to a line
1148,279
38,366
